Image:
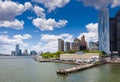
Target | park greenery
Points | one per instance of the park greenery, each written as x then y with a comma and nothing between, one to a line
56,55
48,55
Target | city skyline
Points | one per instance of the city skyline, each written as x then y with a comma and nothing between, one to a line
37,25
19,52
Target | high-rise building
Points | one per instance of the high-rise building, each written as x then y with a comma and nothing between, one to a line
76,45
103,31
115,33
67,46
33,52
60,45
83,43
25,52
12,53
17,51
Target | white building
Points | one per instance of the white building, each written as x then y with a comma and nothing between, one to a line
87,57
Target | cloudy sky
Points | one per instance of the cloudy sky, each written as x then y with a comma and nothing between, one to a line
37,24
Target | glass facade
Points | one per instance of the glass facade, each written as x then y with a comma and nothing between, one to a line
103,31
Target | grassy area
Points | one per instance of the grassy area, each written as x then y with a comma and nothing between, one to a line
48,55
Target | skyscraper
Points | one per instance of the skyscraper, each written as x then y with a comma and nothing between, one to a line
17,50
67,46
83,43
76,45
33,52
115,33
60,45
25,52
103,31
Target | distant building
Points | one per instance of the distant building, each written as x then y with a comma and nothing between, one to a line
103,31
115,33
67,46
76,45
93,46
83,45
20,52
33,52
25,52
17,51
60,45
13,53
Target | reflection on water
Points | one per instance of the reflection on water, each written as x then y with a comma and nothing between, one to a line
28,70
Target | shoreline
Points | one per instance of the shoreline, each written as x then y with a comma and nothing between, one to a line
80,66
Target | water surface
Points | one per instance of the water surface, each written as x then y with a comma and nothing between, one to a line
28,70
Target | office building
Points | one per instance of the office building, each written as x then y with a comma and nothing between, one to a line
33,52
60,45
17,51
83,45
25,52
115,33
76,45
103,31
13,53
93,46
67,46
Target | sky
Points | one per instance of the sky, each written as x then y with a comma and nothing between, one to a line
37,24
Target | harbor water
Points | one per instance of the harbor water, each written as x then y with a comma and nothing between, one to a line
25,69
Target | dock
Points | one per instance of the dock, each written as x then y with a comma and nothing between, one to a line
78,68
74,69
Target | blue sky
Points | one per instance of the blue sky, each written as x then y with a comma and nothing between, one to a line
37,24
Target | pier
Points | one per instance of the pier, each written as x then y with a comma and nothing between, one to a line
78,68
74,69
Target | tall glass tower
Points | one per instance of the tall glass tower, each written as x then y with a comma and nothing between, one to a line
103,31
17,50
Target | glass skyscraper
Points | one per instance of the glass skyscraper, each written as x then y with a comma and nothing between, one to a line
103,31
17,50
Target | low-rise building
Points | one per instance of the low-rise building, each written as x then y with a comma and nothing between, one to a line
87,57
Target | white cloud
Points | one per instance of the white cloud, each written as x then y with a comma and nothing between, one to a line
25,36
50,42
15,24
53,4
8,43
91,27
92,34
48,24
28,5
99,4
115,3
39,11
9,10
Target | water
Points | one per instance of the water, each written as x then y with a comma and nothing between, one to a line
28,70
